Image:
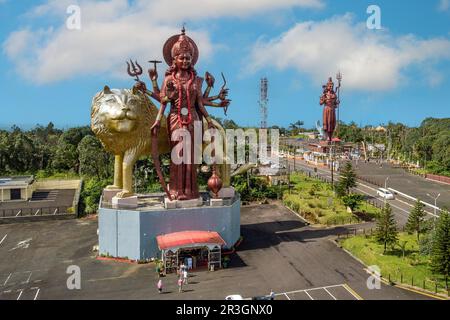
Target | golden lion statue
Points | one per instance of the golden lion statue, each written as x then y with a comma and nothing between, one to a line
121,119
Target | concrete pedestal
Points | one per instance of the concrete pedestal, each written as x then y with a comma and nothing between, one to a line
227,192
128,233
130,202
108,194
172,204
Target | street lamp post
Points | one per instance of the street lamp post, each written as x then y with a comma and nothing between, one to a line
385,187
435,201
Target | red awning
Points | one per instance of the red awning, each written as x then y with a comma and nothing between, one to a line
188,238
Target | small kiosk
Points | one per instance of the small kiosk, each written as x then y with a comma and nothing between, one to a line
194,248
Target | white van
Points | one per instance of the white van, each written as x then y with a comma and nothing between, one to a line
386,194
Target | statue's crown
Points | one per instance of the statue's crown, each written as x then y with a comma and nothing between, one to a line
183,45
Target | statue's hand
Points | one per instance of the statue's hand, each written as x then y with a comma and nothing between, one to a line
211,125
153,74
209,79
223,94
139,85
225,103
170,91
155,127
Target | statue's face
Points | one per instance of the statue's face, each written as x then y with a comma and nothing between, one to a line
183,61
118,111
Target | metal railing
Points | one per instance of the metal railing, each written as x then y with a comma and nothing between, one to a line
40,211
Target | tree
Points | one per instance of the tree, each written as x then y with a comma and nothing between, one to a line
91,193
94,161
386,232
295,127
415,219
348,178
353,200
440,253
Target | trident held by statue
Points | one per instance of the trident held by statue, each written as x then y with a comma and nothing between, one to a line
155,62
134,70
338,89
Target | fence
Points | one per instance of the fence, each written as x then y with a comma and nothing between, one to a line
438,178
400,277
27,212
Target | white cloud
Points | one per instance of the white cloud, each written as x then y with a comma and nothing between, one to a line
444,5
115,30
370,60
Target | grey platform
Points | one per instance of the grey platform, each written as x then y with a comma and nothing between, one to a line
131,233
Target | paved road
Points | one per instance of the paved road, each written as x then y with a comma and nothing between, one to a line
405,182
279,253
400,206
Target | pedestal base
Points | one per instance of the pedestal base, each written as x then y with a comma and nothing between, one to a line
173,204
128,233
227,192
108,194
131,202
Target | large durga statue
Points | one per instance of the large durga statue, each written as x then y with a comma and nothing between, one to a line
181,91
330,100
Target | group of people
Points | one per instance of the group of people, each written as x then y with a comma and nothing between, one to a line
182,272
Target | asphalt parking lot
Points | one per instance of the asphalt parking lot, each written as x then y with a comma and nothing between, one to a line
279,253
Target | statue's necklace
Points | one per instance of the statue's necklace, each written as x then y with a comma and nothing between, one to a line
184,111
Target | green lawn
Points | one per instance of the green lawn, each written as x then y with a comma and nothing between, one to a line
413,266
314,200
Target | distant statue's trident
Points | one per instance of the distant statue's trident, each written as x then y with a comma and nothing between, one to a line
134,70
338,89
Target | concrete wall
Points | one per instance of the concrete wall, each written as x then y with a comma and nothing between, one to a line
57,184
132,234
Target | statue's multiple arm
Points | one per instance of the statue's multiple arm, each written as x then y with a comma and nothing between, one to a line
204,100
222,96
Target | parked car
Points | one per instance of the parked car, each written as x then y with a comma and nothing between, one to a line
234,297
386,194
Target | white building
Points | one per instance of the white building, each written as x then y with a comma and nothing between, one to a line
16,188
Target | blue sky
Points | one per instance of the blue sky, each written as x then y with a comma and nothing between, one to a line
399,72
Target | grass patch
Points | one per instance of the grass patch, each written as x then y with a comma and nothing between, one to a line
412,268
314,200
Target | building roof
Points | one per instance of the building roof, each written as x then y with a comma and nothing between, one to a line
195,238
18,181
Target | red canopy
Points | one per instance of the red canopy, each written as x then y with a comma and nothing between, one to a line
188,238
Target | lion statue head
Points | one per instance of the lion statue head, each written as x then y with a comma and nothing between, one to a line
121,119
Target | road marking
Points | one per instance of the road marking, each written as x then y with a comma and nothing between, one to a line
308,295
20,294
329,293
352,292
4,284
1,241
369,187
29,277
392,205
22,244
287,296
37,293
408,204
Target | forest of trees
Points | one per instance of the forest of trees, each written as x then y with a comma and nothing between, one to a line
428,144
46,151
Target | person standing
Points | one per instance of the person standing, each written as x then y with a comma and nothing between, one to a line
180,284
159,285
185,276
